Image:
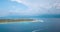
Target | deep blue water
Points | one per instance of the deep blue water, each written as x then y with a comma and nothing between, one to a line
49,25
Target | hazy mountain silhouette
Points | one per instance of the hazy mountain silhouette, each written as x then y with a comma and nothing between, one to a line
39,16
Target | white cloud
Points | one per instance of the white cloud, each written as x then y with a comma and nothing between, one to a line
58,5
4,13
36,3
37,7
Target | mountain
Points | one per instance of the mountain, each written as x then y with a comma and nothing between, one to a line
39,16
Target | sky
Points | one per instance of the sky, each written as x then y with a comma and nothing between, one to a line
29,7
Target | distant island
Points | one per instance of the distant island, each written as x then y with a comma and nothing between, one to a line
14,20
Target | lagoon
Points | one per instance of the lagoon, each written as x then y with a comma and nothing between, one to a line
49,25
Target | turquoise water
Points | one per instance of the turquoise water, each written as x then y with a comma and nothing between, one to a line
16,27
49,25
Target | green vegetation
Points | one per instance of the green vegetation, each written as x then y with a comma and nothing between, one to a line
14,20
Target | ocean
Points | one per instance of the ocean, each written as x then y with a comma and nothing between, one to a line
48,25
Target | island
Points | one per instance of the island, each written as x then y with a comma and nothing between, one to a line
15,20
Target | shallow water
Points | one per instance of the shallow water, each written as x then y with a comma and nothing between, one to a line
49,25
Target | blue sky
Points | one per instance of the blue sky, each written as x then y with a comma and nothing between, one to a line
29,7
